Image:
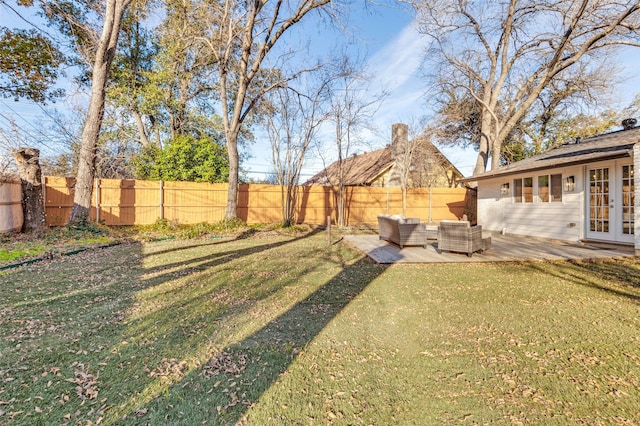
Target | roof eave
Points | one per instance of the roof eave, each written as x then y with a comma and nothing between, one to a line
619,154
379,174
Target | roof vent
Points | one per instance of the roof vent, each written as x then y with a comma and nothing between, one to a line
629,123
578,139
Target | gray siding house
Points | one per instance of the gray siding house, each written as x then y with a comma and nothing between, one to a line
584,190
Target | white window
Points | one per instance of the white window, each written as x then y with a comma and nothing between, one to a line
549,188
523,190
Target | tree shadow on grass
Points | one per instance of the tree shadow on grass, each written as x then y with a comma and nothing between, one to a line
168,271
236,375
219,240
242,311
610,276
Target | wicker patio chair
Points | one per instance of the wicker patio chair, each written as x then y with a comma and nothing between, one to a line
402,231
459,236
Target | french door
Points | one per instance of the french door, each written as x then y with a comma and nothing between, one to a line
610,202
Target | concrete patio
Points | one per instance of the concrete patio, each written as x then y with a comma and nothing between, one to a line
504,248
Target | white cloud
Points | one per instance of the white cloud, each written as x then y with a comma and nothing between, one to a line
399,60
395,68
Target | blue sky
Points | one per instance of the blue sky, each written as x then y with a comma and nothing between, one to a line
392,48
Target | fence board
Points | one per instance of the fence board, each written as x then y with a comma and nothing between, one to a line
314,204
259,203
191,202
11,218
135,202
58,199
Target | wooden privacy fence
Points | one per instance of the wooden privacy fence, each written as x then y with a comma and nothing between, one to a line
138,202
10,204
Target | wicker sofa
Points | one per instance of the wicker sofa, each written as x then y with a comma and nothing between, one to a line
459,236
402,231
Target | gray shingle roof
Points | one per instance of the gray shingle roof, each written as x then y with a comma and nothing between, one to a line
597,148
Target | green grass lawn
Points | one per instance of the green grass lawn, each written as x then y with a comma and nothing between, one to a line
18,248
282,329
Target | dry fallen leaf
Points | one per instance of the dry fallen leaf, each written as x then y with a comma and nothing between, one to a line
170,368
225,363
140,412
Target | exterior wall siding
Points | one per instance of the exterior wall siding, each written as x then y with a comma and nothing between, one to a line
491,205
636,182
560,220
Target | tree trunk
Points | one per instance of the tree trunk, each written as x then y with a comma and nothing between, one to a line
283,202
292,201
90,134
234,165
144,139
86,163
496,153
28,160
340,204
156,131
486,144
404,199
483,156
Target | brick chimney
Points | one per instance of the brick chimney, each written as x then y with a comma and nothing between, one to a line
629,123
399,138
399,145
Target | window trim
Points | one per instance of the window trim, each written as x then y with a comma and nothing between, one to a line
520,184
554,180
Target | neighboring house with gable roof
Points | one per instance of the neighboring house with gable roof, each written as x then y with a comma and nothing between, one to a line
584,190
424,164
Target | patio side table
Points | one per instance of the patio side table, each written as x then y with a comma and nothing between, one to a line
432,232
486,243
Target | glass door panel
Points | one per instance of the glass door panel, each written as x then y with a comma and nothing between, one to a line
611,201
628,200
599,200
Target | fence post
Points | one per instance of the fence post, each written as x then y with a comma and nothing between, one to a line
161,200
44,199
430,204
97,200
328,230
388,189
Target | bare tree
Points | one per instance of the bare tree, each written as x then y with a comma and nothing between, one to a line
353,104
588,85
7,161
292,128
242,35
5,165
503,55
19,133
418,163
410,156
